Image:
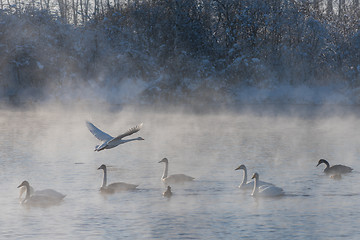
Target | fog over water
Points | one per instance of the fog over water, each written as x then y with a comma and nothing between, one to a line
51,147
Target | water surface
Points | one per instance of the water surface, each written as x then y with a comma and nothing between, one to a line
52,148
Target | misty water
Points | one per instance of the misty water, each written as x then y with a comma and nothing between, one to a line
52,148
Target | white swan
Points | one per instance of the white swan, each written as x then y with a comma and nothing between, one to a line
175,178
40,199
265,190
168,192
334,170
114,187
249,184
108,141
47,192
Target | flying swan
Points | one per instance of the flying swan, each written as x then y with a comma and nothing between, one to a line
114,187
265,190
175,178
40,199
334,170
249,184
108,141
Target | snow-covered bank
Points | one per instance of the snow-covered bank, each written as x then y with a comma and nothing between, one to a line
145,53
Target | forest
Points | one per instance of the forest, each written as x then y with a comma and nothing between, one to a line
171,50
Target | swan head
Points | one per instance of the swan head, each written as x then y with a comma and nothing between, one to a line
323,161
24,183
256,176
103,166
165,160
242,166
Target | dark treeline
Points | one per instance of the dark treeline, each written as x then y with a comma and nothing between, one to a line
177,45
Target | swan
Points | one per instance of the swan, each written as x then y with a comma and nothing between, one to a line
47,192
108,141
114,187
265,190
250,184
175,178
334,170
39,199
168,192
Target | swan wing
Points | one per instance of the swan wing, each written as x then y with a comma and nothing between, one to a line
50,193
250,184
127,133
340,169
102,136
261,183
178,178
270,191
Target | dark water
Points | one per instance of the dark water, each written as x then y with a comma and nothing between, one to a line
52,148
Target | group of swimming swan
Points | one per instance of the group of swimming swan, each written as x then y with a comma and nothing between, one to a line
260,188
48,197
122,186
265,189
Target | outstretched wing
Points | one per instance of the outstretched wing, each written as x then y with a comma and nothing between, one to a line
98,133
129,132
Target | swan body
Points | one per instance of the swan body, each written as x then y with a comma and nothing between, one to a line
42,198
334,170
249,184
107,141
265,190
168,192
114,187
47,192
175,178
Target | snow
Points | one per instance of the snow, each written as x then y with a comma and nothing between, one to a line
238,59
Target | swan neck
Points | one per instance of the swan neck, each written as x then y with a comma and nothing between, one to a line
27,196
104,179
255,189
166,169
244,177
327,165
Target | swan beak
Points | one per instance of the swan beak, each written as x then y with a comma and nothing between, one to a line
318,164
237,168
19,186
